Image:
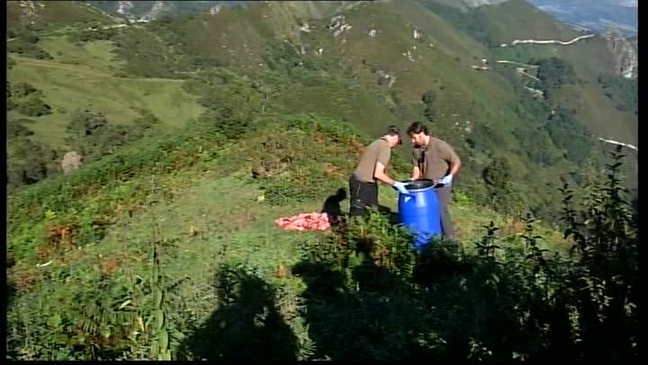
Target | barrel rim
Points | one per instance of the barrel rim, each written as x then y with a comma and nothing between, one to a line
432,186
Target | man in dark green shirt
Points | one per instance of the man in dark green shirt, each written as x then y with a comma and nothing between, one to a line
436,160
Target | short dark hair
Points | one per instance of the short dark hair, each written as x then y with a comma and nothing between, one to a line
392,130
416,128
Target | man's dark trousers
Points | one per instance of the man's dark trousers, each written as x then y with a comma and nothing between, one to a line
363,196
443,194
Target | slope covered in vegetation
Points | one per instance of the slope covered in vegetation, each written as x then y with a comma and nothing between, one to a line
157,254
368,75
162,244
589,59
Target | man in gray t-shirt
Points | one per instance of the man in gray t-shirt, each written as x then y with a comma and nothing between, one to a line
436,160
363,183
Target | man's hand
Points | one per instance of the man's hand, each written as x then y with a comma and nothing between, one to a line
446,180
400,186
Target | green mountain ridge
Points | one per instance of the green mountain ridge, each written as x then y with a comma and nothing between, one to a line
143,11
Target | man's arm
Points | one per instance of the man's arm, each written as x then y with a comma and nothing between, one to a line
455,167
454,161
379,174
381,165
416,171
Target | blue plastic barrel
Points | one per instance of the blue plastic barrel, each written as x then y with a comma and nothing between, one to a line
419,211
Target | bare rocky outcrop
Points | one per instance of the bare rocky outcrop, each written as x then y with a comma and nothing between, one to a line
338,25
158,8
71,161
31,10
124,7
625,55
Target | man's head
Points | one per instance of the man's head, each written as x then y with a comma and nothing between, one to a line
418,133
393,137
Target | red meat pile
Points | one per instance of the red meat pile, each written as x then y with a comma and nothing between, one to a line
305,222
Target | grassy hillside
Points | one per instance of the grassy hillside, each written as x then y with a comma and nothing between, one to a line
68,87
164,207
197,132
520,19
160,221
441,53
43,15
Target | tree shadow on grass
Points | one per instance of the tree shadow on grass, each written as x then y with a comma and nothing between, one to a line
11,287
367,312
363,307
246,326
11,294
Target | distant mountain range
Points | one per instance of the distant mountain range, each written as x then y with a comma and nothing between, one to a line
594,15
148,10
